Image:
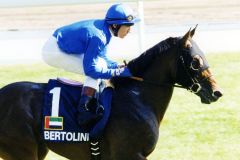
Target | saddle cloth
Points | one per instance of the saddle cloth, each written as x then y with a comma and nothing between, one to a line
59,122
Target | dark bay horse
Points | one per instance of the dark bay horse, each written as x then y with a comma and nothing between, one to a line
137,106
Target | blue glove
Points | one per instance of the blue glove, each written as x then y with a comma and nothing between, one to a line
113,65
122,72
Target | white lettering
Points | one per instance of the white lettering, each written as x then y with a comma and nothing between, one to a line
84,136
46,135
57,136
52,135
63,136
55,101
75,137
68,136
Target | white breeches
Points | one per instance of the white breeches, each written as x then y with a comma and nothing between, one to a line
53,56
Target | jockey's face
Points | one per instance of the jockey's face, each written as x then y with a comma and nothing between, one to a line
123,31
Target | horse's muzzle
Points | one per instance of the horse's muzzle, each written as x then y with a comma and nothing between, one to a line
210,92
217,94
208,98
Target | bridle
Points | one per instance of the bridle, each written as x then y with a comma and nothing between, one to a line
195,86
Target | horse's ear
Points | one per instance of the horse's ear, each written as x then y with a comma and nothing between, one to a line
193,31
186,37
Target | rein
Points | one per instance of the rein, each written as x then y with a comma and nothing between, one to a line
154,83
151,82
195,87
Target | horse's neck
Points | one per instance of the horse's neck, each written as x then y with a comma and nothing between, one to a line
145,96
157,89
156,65
157,99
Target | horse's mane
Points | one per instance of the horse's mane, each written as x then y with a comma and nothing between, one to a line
138,65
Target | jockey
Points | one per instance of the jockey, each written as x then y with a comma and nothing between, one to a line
81,48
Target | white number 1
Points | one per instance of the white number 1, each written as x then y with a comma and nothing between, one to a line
55,101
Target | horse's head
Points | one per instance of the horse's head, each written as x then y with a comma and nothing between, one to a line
193,71
186,63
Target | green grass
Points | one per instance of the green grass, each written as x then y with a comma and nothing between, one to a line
190,130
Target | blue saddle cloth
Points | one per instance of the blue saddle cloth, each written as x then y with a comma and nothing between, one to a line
60,114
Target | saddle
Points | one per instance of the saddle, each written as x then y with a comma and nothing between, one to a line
60,112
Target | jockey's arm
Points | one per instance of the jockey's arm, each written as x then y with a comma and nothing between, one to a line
92,69
110,64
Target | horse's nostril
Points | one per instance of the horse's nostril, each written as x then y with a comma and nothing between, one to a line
217,94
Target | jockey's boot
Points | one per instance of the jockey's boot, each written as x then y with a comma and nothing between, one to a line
85,116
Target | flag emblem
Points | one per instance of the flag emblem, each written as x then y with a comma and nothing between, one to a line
53,123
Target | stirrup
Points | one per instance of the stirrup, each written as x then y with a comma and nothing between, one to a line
99,109
85,106
88,118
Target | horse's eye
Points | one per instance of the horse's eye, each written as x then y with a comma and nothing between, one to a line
196,63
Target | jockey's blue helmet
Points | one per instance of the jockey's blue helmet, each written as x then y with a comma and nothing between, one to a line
121,14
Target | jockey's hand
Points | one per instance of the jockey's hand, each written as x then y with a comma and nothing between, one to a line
122,72
121,65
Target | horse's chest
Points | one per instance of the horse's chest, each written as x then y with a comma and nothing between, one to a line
135,125
146,130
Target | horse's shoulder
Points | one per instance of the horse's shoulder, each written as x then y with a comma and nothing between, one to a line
129,104
130,113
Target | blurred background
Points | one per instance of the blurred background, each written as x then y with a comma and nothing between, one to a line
25,24
189,130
